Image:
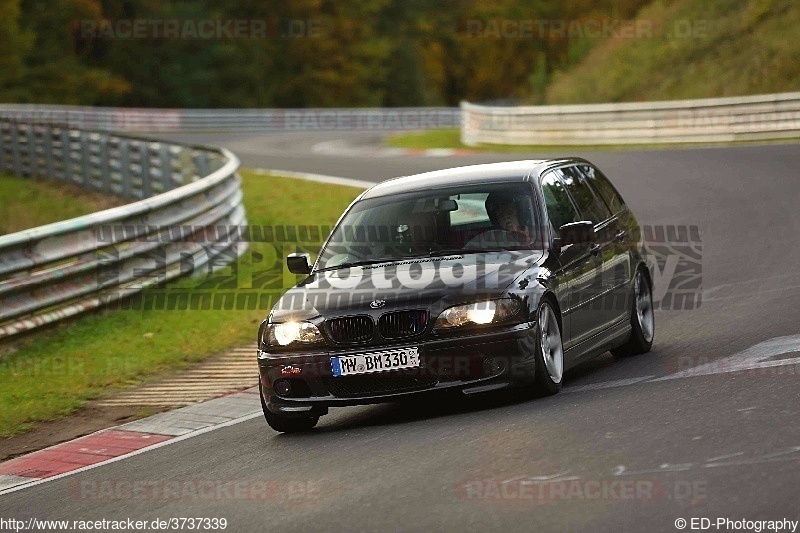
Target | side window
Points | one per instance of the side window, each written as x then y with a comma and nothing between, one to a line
559,206
591,207
604,188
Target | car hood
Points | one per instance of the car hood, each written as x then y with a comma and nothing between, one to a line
430,282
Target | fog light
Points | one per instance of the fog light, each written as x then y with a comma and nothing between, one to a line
494,365
282,387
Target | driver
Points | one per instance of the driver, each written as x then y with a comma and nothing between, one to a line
503,212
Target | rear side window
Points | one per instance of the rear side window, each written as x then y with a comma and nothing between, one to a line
591,206
559,206
600,183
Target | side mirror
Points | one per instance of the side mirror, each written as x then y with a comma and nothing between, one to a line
581,232
299,263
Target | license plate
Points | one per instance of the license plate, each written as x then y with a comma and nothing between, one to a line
347,365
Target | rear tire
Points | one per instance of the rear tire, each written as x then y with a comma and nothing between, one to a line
284,424
642,319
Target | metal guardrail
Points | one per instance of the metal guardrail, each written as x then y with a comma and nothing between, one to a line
746,118
186,194
62,269
761,117
232,120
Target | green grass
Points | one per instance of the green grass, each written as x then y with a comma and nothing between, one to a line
52,374
451,138
28,203
696,50
422,140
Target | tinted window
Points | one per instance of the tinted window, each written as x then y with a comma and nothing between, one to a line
603,187
418,223
559,206
590,206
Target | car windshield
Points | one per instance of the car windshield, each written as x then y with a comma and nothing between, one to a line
435,222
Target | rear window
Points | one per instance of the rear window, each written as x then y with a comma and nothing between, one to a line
591,207
604,188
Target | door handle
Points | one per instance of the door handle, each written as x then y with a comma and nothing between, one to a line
594,248
620,236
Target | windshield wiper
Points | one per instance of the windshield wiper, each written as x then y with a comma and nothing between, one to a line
462,251
364,262
444,251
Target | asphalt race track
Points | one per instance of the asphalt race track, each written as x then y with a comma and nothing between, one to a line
618,449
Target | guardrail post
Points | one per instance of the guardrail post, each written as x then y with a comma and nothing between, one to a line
66,154
125,168
33,159
201,162
105,171
145,173
165,162
15,150
3,147
85,178
48,153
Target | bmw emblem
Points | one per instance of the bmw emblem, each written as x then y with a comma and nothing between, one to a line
376,304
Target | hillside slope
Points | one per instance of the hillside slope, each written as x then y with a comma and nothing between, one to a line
696,50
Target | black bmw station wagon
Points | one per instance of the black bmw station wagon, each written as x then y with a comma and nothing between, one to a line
467,279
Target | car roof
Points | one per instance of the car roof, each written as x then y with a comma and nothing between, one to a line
511,171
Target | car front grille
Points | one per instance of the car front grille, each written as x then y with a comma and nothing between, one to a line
374,384
402,324
350,329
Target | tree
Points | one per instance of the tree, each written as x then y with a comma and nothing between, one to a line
15,43
55,68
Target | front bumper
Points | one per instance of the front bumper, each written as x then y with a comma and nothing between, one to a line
471,362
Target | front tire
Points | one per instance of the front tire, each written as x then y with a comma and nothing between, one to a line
549,371
642,319
284,424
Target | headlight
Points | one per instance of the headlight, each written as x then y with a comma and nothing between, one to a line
479,313
286,333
